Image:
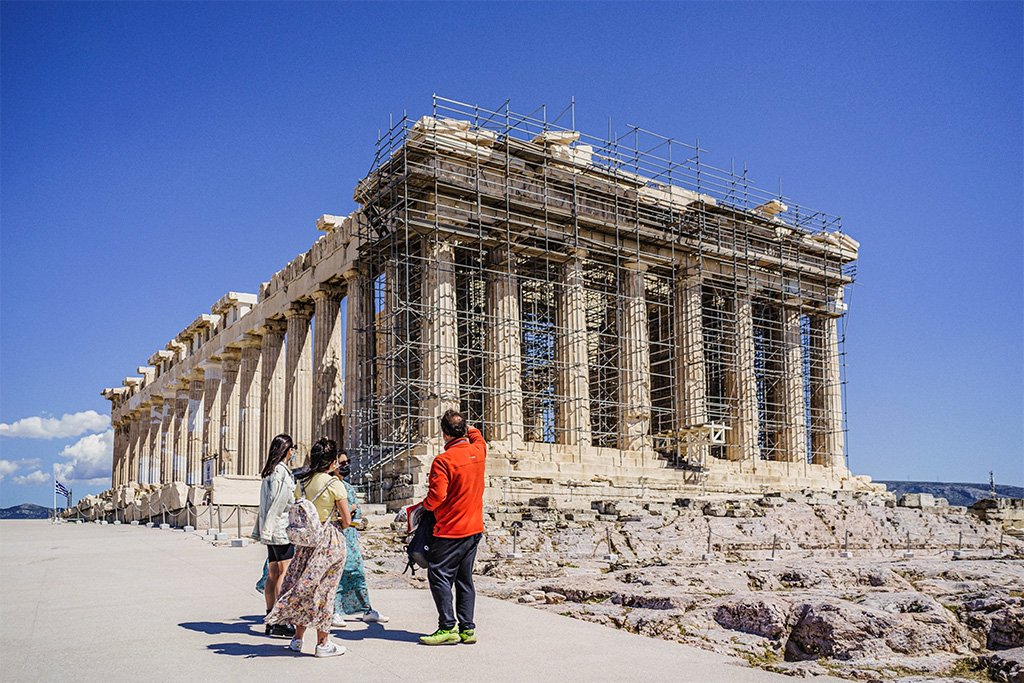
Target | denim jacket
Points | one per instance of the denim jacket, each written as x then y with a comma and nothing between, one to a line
276,495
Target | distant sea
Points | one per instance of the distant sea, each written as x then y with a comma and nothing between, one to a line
955,493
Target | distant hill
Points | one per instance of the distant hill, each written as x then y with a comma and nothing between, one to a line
26,511
955,493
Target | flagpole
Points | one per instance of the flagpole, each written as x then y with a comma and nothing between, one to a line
54,492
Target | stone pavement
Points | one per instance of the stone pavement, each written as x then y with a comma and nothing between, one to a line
91,602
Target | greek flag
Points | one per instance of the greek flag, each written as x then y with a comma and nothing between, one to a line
59,488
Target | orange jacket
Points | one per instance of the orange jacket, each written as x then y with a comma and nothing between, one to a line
456,494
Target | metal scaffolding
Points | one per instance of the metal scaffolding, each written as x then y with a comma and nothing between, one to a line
509,225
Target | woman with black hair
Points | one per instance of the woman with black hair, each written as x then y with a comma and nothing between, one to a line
307,594
276,494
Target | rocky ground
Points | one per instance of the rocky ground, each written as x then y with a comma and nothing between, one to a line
775,587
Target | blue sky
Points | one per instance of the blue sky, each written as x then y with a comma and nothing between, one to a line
155,156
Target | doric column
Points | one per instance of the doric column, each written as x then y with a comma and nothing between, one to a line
229,410
156,424
134,446
179,465
741,385
690,373
117,473
440,338
358,332
573,377
272,363
249,380
194,459
826,393
212,413
298,404
328,383
167,438
145,445
503,360
635,360
794,430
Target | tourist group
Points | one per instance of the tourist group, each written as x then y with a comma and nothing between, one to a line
308,520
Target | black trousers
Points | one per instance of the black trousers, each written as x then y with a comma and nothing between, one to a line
451,565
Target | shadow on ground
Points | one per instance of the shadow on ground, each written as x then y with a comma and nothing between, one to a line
377,632
247,624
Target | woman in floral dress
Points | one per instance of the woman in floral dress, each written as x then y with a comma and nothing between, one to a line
307,594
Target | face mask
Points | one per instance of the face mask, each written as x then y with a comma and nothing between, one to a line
344,469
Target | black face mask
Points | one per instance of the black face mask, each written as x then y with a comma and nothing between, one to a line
345,469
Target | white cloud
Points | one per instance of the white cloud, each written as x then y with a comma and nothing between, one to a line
37,477
7,467
89,459
12,466
55,428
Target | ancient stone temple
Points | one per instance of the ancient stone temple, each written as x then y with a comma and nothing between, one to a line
616,314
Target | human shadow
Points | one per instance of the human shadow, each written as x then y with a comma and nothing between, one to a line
245,624
378,632
249,651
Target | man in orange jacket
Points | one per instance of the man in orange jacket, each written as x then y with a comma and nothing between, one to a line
456,497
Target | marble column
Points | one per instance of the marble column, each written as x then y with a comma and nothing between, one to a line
357,358
250,380
573,377
328,383
134,450
230,392
826,393
635,362
741,386
145,454
272,391
194,459
440,338
690,373
156,438
167,439
793,439
298,404
118,470
212,413
179,463
503,360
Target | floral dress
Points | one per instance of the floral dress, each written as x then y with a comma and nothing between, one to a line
309,585
352,596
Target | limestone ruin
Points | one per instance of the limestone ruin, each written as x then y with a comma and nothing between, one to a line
620,317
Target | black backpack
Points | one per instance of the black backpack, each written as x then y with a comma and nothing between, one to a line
419,545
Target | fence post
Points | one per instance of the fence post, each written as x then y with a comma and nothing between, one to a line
238,519
220,521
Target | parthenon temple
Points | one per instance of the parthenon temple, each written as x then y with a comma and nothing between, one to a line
615,313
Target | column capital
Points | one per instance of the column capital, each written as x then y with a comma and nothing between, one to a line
298,309
273,325
229,355
636,266
578,252
251,339
326,290
351,274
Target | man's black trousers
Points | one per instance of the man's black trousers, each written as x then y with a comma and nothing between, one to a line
451,564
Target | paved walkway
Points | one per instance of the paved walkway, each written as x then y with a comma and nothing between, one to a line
92,602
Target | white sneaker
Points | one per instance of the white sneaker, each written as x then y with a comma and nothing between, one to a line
374,617
329,649
338,621
295,645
